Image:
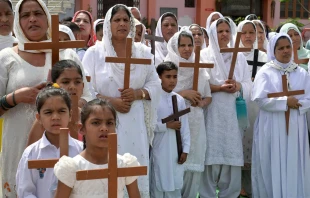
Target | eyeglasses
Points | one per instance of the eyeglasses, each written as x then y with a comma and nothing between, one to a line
199,34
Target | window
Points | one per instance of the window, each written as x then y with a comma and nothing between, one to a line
294,9
173,10
189,3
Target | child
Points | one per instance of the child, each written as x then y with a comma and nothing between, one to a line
65,33
167,169
68,75
98,120
53,106
98,27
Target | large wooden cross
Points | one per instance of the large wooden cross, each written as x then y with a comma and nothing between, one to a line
128,61
196,65
255,63
175,117
235,51
153,37
286,92
50,163
299,61
112,172
55,45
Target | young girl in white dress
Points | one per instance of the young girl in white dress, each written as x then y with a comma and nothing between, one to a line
98,120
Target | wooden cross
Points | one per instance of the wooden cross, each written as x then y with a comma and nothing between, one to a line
196,65
175,117
112,172
152,37
55,45
128,61
286,92
73,124
50,163
299,61
255,63
235,51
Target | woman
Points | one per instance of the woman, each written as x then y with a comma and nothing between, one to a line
180,49
295,35
281,161
224,154
167,26
136,106
249,39
85,21
198,35
140,32
6,24
21,75
211,18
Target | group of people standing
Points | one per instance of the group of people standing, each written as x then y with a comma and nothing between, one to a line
223,155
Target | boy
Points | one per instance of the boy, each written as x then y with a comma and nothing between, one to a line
167,170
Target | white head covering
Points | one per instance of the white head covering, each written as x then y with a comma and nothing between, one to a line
160,47
7,40
271,35
203,40
262,25
272,45
239,29
233,27
130,8
208,23
22,39
137,22
67,30
96,23
290,26
249,16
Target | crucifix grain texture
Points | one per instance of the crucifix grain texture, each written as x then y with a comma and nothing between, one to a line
286,92
153,37
50,163
175,117
112,172
128,61
255,63
196,65
235,51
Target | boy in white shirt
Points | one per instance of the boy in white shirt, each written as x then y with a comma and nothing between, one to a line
166,169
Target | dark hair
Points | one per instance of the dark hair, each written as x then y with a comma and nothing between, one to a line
88,108
279,28
60,66
21,5
185,34
280,38
51,91
196,25
205,32
222,20
267,28
166,66
119,7
7,1
66,19
259,24
99,27
252,25
74,27
169,14
252,17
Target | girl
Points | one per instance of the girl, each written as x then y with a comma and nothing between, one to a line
53,106
98,27
180,49
6,24
98,120
68,75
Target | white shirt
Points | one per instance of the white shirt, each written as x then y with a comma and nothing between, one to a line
31,183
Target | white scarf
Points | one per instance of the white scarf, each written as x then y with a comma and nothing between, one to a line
22,39
255,44
263,26
68,31
208,23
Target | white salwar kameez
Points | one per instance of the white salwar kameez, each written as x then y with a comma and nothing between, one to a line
194,164
224,137
136,128
167,174
280,161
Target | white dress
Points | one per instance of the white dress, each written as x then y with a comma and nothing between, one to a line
65,171
280,162
167,174
133,127
16,73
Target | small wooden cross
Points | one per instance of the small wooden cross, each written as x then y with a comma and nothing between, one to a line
73,124
286,92
50,163
255,63
128,61
196,65
299,61
55,45
175,117
152,37
112,172
235,51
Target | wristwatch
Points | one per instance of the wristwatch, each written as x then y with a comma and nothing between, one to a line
143,94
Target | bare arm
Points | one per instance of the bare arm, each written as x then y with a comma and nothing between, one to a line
133,190
63,191
36,132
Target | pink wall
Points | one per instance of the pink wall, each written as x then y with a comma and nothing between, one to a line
143,8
